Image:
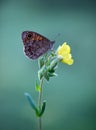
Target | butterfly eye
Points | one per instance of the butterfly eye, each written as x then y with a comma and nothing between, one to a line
29,35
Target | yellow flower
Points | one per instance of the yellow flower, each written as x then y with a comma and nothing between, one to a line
64,52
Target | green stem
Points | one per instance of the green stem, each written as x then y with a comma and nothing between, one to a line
40,102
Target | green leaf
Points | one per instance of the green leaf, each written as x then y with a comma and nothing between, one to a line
53,64
53,54
52,74
42,72
32,103
51,70
46,76
41,62
43,108
37,87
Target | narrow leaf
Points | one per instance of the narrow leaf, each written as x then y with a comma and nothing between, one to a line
43,108
51,70
37,87
41,72
32,103
52,74
41,62
46,76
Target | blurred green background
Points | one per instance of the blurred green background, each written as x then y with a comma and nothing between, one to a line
71,96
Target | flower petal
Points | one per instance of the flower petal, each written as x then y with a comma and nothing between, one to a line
64,51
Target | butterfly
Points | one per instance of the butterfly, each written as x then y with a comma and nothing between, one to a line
35,45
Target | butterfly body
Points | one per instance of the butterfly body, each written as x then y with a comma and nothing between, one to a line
35,44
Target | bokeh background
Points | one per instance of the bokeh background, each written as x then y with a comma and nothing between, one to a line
71,96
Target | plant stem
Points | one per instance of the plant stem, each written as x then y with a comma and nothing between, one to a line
40,102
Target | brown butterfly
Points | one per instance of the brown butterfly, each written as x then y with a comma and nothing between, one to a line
35,44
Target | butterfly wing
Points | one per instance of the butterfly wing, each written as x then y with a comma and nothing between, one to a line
35,44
